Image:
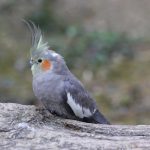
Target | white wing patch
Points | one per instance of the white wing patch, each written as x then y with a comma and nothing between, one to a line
79,111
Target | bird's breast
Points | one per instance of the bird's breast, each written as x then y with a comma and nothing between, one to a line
47,88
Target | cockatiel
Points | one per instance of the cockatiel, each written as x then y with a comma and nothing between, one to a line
56,87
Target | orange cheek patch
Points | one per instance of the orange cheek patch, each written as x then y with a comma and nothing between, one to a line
46,65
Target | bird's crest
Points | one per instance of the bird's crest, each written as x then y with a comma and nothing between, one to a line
38,43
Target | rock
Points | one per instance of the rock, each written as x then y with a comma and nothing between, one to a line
24,127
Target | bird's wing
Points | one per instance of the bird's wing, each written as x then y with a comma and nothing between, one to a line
79,99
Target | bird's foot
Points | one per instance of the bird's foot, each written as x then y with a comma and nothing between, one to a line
43,111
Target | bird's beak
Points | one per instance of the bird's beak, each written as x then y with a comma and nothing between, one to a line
31,63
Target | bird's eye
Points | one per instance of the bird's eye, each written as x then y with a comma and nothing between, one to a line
39,60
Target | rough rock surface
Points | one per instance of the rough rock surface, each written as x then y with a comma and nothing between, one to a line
23,128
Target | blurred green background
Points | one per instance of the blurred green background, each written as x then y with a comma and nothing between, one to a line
105,43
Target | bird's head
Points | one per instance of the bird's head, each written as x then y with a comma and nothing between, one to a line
42,58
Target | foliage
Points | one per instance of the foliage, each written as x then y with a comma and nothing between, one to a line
96,48
46,19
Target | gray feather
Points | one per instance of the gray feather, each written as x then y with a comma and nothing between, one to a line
83,98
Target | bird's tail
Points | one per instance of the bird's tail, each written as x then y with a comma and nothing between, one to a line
99,118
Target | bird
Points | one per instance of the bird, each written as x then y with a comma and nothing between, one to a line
61,93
